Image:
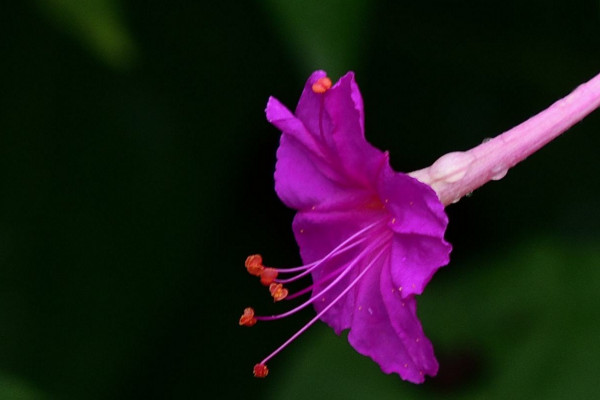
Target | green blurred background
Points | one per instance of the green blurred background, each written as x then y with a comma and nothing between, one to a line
136,176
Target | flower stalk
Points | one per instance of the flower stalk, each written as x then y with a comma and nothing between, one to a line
457,174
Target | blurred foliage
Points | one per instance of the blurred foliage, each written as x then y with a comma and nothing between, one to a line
330,35
98,24
136,175
12,388
515,324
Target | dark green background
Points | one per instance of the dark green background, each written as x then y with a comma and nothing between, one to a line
136,176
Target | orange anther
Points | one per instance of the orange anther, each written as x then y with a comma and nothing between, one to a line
247,318
254,264
321,85
278,291
267,276
260,371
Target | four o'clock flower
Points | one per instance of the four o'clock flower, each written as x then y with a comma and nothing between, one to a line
372,238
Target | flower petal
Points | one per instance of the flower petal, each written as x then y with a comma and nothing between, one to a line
336,120
415,205
303,181
415,259
309,106
323,158
288,123
359,159
318,234
419,223
304,176
403,316
388,333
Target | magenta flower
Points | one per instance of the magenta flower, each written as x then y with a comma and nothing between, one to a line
370,237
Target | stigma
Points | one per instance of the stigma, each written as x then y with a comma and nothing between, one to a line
321,85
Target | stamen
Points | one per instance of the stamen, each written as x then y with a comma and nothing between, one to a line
339,249
300,292
321,85
335,252
268,278
260,371
268,275
309,288
278,291
247,318
254,264
347,268
322,280
327,308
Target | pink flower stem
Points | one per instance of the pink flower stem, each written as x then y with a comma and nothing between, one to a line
456,174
